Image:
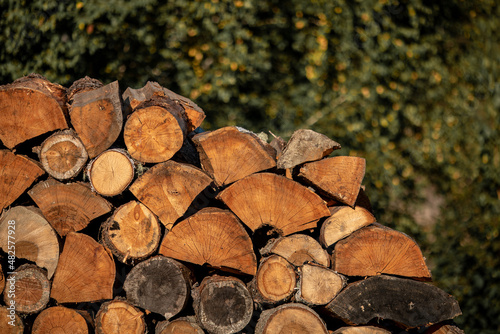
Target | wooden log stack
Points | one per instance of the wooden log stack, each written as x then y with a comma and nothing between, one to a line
121,215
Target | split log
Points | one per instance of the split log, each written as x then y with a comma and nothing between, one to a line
118,316
184,325
290,318
444,328
343,221
132,233
214,237
155,131
407,302
17,173
63,155
298,249
35,240
97,117
228,155
336,177
306,145
85,273
318,285
375,250
111,172
269,199
82,85
31,290
163,189
361,330
31,106
11,323
59,319
223,305
68,207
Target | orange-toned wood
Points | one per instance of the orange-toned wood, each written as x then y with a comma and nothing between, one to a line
298,249
60,320
318,285
183,325
118,316
290,318
11,323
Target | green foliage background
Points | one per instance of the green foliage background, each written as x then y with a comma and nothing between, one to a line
412,86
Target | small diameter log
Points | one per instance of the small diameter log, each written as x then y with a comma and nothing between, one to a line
223,305
159,284
212,236
337,177
31,289
304,146
17,173
60,320
97,117
163,189
361,330
155,131
184,325
132,233
228,155
68,207
269,199
407,302
86,271
444,328
2,279
343,221
318,285
298,249
11,323
118,316
63,155
111,172
35,239
290,318
31,106
375,250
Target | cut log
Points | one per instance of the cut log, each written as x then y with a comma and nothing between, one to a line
35,240
375,250
444,328
343,221
97,117
31,290
361,330
159,284
82,85
155,131
407,302
17,173
29,107
228,155
2,279
63,155
60,320
336,177
11,323
85,273
111,172
184,325
214,237
194,114
168,189
278,144
298,249
290,318
68,207
306,145
132,233
269,199
118,316
318,285
223,305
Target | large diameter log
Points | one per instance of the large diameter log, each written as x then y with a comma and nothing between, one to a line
60,320
298,249
35,240
212,236
17,173
29,107
269,199
168,189
86,271
318,285
118,316
11,323
223,305
228,155
184,325
290,318
97,117
160,285
375,250
407,302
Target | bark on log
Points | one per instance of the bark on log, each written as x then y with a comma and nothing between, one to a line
269,199
118,316
290,318
184,325
298,249
2,279
85,273
11,323
214,237
60,320
444,328
318,285
361,330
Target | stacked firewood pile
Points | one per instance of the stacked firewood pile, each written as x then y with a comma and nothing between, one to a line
120,215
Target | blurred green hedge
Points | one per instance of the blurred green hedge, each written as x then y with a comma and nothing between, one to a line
412,86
